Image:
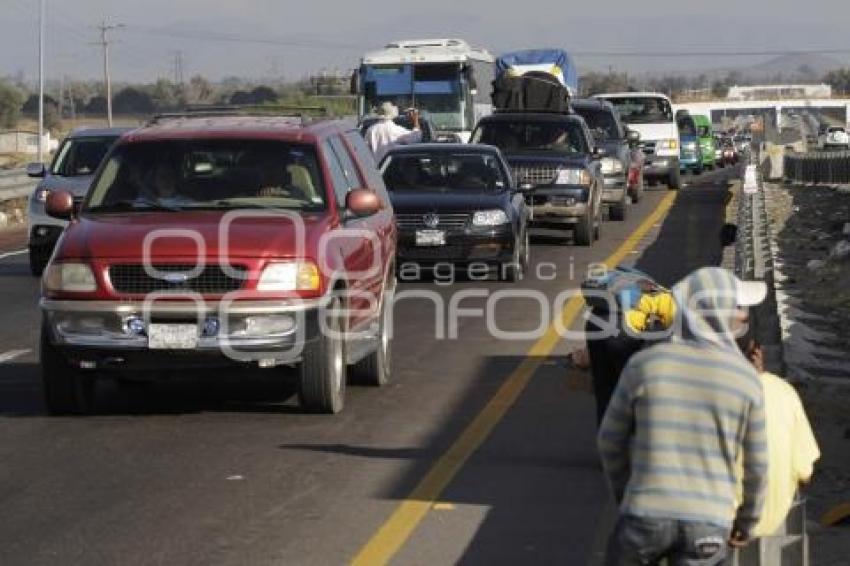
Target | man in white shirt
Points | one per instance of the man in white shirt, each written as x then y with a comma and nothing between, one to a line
386,134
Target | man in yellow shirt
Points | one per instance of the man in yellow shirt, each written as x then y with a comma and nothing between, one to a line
791,446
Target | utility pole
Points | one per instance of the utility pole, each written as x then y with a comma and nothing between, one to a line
41,11
107,79
61,96
179,68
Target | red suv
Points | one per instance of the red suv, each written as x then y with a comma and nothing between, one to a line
214,241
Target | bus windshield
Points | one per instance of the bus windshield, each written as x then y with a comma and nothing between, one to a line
434,89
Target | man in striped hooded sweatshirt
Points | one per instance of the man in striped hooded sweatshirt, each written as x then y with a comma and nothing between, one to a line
681,414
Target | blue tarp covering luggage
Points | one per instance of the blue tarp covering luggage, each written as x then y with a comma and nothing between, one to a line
542,57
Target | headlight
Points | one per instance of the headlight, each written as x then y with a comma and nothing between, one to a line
611,166
73,277
290,276
41,195
573,177
490,218
668,144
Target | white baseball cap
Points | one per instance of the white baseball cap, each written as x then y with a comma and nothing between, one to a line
750,293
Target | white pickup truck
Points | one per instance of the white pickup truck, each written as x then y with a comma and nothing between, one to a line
833,137
651,115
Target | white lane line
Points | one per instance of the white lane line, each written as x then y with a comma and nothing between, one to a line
12,354
13,254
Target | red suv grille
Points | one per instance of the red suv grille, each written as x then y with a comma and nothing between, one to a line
135,279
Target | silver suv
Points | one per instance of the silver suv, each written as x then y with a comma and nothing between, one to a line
77,158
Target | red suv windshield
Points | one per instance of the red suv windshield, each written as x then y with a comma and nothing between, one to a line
204,174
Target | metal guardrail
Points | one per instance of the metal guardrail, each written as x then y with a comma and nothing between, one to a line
754,261
753,242
823,167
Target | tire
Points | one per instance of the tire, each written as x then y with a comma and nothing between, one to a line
583,231
67,390
699,170
38,260
597,228
637,194
617,212
322,372
376,369
515,270
674,181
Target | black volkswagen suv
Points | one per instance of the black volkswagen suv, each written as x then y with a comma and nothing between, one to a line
555,159
457,204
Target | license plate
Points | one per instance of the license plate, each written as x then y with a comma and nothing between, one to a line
172,336
430,238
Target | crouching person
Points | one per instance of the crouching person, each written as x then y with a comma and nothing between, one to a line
682,413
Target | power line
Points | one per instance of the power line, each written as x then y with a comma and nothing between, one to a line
237,38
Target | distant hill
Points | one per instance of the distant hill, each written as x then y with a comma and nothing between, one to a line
804,67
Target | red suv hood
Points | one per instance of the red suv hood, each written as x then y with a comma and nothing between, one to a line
122,236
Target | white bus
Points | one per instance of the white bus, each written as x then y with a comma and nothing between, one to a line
446,79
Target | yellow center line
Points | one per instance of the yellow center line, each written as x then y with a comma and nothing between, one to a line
398,528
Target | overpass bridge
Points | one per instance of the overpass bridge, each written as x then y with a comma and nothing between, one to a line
776,112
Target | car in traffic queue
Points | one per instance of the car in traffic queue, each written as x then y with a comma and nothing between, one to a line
833,137
728,153
223,241
705,135
72,169
618,141
691,152
651,115
457,204
554,159
718,150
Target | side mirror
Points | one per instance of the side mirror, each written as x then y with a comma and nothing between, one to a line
598,153
36,170
363,202
355,83
60,204
633,137
728,235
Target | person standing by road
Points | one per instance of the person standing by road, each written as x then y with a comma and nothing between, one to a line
386,134
681,415
792,449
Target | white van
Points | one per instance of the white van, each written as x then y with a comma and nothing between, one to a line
651,115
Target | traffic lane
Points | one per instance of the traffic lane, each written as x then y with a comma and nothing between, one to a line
19,293
534,491
230,471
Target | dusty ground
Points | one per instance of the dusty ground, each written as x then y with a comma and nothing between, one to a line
807,223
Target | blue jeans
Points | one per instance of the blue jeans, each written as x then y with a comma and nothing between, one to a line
638,541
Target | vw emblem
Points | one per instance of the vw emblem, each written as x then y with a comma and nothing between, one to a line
431,220
175,278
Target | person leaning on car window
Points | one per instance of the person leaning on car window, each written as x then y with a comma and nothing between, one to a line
386,134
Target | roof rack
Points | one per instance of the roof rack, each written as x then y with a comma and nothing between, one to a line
303,112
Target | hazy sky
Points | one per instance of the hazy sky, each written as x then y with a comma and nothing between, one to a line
329,34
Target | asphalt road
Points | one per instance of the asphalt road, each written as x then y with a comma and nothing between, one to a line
223,469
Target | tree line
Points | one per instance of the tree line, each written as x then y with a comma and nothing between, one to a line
86,97
67,101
